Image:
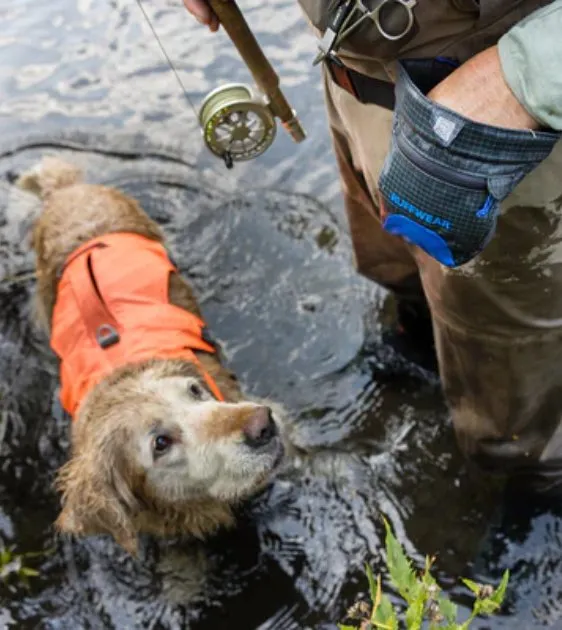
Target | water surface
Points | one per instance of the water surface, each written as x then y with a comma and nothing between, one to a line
266,249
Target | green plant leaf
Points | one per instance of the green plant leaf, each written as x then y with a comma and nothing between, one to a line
421,593
414,614
402,575
499,593
473,586
384,615
429,583
376,592
29,572
448,609
374,585
487,607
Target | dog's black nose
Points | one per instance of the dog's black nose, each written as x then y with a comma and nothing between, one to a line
260,429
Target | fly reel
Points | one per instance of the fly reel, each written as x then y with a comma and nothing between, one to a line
237,125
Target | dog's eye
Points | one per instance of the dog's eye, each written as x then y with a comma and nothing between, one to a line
196,391
162,443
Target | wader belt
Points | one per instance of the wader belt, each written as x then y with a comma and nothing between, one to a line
365,89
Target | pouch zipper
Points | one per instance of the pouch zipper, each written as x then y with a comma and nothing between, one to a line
438,171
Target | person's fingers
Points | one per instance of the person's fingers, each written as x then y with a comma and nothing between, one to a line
214,24
202,12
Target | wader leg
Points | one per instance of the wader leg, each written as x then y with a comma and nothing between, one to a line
498,329
379,256
497,320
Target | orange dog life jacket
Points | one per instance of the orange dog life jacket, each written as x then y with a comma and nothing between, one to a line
112,309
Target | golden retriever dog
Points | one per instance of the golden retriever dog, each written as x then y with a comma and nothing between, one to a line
163,441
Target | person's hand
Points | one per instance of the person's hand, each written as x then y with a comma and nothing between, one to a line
203,13
478,91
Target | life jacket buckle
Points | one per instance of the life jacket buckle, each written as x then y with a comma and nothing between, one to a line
106,336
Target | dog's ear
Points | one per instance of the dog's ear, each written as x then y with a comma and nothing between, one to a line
97,498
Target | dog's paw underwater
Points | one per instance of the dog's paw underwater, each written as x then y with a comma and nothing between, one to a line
163,440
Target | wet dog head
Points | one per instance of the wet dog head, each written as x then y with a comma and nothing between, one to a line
155,451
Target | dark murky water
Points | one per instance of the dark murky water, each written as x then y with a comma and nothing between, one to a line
274,275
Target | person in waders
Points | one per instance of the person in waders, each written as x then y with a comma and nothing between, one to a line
445,118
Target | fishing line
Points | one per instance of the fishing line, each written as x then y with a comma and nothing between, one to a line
238,124
234,125
168,59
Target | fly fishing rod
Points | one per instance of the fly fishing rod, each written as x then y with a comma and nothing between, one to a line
238,124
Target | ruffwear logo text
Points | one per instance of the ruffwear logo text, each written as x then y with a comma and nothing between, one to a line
426,217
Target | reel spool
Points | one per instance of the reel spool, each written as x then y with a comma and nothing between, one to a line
237,125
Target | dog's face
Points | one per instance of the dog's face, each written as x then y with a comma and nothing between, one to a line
160,442
191,446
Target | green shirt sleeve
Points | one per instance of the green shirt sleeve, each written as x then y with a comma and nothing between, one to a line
531,59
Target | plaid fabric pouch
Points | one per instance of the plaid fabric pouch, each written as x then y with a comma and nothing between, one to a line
445,175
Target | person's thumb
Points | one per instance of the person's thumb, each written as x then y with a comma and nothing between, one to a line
202,12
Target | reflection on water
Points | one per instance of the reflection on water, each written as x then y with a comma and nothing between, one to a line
273,272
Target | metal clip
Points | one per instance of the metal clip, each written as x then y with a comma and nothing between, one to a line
106,336
329,39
